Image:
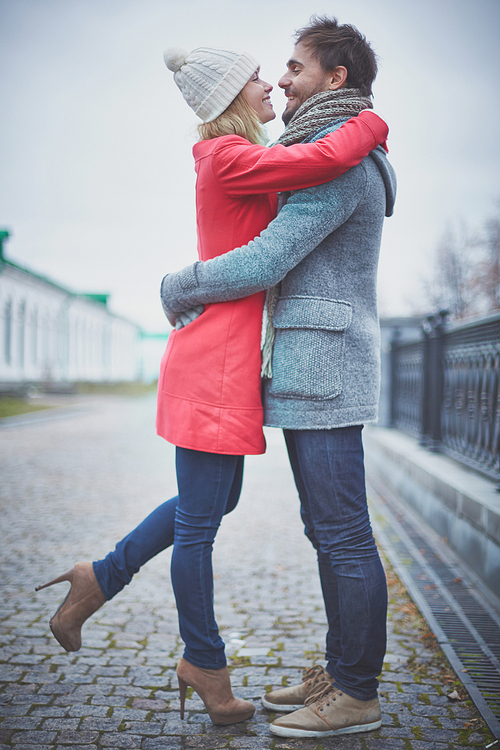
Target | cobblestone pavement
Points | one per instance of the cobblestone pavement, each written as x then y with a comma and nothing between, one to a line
72,485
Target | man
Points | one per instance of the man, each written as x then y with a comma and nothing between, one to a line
323,247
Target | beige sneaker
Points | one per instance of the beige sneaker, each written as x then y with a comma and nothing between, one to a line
293,697
327,713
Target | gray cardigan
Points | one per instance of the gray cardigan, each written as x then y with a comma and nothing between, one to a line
324,248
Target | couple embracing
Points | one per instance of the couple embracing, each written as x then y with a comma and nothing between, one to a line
275,325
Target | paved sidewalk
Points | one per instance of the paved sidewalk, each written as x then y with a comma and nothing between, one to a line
70,488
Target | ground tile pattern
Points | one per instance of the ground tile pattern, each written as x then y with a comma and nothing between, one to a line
72,485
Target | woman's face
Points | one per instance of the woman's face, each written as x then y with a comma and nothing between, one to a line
257,95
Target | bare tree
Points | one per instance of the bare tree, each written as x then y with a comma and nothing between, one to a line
465,278
452,281
488,268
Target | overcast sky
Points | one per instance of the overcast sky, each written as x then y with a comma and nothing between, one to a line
96,175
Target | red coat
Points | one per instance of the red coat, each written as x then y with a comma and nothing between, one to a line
209,390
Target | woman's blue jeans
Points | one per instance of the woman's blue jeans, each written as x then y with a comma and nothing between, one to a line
329,473
209,486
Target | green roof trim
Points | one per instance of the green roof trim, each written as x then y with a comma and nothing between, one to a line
38,276
160,336
102,298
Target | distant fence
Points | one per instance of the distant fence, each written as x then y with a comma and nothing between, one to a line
445,390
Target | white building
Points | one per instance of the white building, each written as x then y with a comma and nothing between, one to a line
52,335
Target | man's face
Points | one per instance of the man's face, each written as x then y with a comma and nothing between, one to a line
304,78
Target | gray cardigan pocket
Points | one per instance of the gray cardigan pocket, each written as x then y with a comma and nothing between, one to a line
308,354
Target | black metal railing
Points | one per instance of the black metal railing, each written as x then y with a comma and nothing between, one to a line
445,390
407,361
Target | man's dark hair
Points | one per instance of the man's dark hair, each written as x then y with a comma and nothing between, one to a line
333,44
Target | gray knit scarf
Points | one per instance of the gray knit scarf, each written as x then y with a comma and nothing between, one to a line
316,113
322,109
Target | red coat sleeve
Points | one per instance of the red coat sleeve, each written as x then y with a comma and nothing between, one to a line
245,169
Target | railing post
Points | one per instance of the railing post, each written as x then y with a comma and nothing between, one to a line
426,416
433,380
437,340
394,375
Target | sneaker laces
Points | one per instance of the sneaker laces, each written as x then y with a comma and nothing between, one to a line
316,674
322,692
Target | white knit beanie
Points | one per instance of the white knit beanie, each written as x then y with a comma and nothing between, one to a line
210,79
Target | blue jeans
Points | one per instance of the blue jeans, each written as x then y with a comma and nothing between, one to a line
329,473
209,486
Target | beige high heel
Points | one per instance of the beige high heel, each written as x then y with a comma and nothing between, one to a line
214,688
84,598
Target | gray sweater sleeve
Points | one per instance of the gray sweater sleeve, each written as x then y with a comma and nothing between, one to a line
307,218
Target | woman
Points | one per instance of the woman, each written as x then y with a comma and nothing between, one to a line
209,388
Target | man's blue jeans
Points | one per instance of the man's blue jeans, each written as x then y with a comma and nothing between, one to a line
209,486
329,473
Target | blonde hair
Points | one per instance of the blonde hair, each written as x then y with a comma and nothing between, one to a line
238,119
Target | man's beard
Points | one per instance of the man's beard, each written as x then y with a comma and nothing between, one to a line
287,116
290,112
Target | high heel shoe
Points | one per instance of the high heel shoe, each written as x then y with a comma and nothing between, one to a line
84,598
214,688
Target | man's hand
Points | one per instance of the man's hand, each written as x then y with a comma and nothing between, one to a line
187,317
170,316
177,318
